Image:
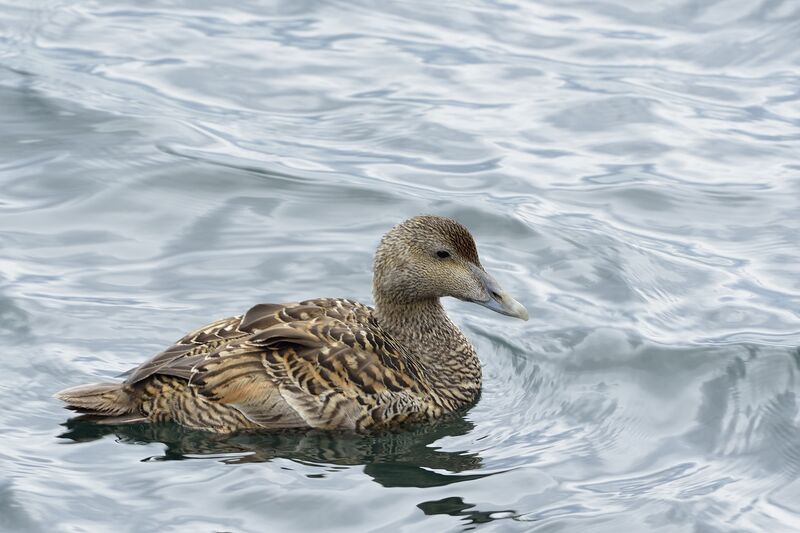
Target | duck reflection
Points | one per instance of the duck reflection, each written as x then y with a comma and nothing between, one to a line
456,506
393,458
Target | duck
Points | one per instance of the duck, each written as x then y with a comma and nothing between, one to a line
324,363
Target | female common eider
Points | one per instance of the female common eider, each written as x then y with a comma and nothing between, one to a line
327,363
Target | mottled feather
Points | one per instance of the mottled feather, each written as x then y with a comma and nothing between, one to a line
324,363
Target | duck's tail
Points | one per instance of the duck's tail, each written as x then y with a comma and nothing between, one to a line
108,403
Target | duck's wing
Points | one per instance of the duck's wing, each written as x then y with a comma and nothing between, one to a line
201,341
323,363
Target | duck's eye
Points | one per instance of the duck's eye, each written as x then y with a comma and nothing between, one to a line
442,254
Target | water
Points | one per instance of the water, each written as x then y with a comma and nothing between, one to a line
630,173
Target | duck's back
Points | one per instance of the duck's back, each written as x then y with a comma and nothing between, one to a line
322,363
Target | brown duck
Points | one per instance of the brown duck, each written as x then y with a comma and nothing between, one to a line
327,363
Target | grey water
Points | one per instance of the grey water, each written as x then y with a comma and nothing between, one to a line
630,171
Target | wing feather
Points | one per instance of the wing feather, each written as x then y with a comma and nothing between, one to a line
320,363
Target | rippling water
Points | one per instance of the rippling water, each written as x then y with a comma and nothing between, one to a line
630,172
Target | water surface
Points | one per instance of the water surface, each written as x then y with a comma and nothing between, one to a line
630,174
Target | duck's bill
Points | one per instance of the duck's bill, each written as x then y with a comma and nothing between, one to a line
506,305
499,300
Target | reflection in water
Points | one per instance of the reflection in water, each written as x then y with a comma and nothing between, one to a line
456,506
394,458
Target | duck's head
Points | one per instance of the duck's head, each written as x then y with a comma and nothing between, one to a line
428,257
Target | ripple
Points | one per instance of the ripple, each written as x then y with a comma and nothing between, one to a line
627,171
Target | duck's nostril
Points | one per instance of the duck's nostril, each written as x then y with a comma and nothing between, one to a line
497,296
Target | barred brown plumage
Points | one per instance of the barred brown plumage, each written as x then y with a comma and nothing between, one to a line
326,363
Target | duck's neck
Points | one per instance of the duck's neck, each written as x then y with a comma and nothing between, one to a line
417,324
447,357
